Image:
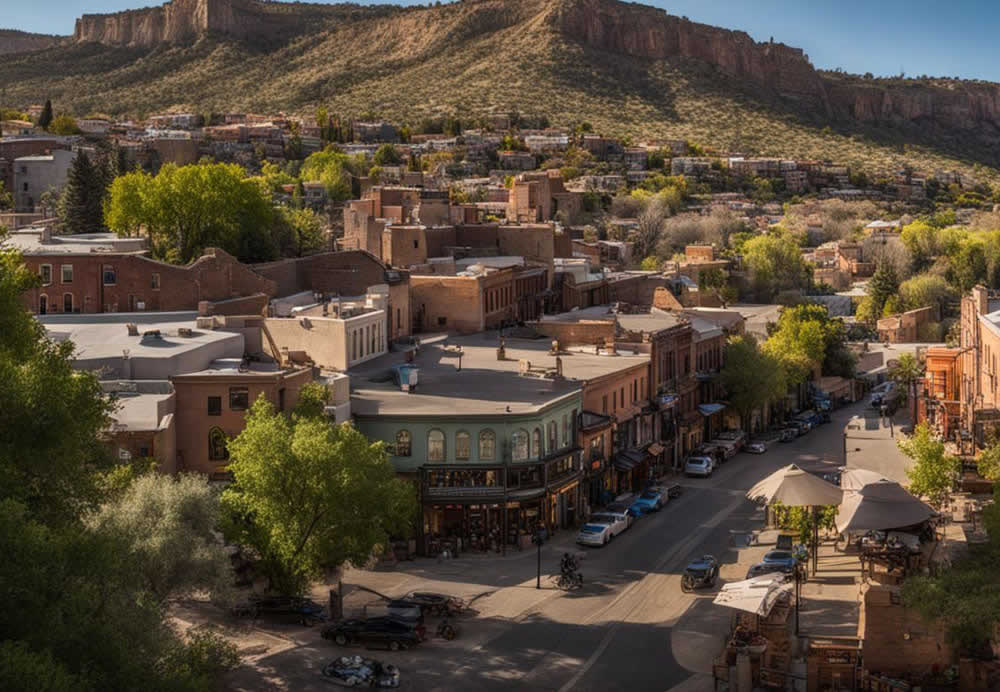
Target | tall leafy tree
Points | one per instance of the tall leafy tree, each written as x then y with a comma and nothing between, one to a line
883,285
752,379
934,471
81,204
45,118
308,494
775,264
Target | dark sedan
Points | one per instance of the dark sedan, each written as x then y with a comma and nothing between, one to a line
780,561
387,632
282,608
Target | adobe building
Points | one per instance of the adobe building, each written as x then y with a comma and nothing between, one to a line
908,327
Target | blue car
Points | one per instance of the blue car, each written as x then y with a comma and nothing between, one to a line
780,561
633,509
650,500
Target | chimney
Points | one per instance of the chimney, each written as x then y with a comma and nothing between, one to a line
559,367
555,346
981,295
609,346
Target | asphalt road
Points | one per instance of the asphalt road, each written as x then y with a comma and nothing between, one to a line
630,627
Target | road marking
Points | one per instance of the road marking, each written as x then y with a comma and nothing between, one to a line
679,551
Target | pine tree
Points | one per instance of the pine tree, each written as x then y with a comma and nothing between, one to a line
883,284
45,119
81,205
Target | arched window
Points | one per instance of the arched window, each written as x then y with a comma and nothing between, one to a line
519,445
463,445
553,442
487,445
404,443
217,450
435,445
536,444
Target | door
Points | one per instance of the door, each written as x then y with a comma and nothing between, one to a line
43,305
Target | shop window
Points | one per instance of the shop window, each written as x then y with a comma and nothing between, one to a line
435,445
519,445
67,273
463,444
215,405
487,445
46,273
239,398
217,450
536,444
404,443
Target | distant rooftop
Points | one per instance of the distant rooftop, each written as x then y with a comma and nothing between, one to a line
484,385
37,241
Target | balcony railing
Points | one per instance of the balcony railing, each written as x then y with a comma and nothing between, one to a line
475,491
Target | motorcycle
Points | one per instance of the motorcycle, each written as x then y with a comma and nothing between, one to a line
570,580
700,573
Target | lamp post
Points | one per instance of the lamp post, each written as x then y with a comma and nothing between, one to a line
798,597
538,539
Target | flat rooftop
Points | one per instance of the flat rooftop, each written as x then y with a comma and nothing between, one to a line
29,241
484,385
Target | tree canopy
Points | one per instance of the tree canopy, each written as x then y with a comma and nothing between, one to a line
309,495
751,377
775,264
185,209
934,471
80,206
806,338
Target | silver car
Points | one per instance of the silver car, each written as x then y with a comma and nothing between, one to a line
698,466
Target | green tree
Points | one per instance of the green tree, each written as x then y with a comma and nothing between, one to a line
45,118
386,155
6,199
805,339
650,264
775,264
299,232
934,471
883,285
332,168
751,378
926,290
64,125
81,203
308,494
185,209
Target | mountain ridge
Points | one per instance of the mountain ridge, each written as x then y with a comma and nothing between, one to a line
629,65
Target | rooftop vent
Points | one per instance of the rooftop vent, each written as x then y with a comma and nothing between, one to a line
133,330
185,332
152,335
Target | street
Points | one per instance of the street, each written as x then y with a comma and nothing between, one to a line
629,628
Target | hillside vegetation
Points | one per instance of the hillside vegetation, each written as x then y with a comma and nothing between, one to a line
474,58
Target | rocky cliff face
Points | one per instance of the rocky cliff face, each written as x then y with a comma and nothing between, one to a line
23,42
646,32
185,20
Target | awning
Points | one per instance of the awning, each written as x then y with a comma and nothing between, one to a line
655,449
623,464
757,595
710,409
629,459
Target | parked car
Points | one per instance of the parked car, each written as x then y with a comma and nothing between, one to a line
756,447
355,671
728,448
379,631
674,490
713,451
618,521
780,561
652,500
302,611
760,569
594,534
436,603
737,436
630,507
886,394
404,610
698,466
811,417
789,434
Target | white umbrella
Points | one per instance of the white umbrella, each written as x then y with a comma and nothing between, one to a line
856,479
796,488
757,595
879,506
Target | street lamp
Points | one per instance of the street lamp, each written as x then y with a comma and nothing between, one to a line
538,539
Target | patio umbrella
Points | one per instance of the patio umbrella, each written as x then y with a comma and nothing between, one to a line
757,595
879,506
796,488
856,479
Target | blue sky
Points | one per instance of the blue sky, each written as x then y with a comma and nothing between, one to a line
955,38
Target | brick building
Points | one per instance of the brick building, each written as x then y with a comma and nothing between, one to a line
908,327
940,404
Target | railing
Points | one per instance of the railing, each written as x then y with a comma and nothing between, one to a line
476,491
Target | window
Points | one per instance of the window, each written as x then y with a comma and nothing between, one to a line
604,404
217,445
239,399
110,276
215,405
67,273
154,281
404,443
463,446
416,244
67,302
553,442
435,445
281,399
519,445
442,321
572,427
399,319
487,445
536,444
46,271
565,430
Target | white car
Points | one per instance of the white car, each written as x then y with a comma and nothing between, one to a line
618,521
756,447
737,436
698,466
594,534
